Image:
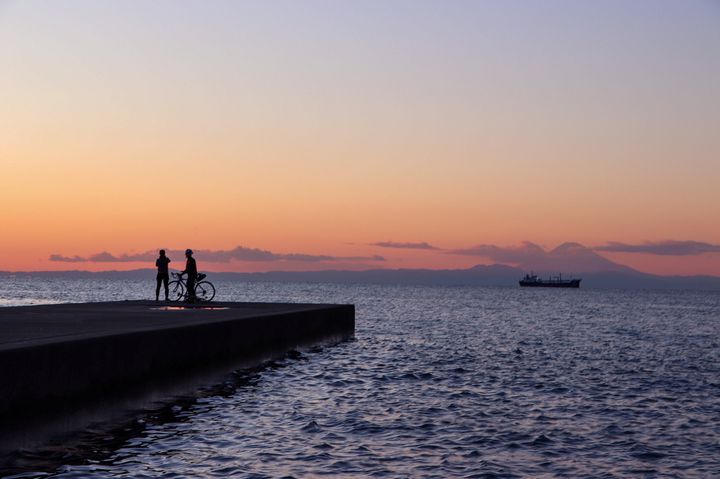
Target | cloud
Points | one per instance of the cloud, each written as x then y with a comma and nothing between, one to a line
393,244
105,257
663,248
67,259
513,254
239,253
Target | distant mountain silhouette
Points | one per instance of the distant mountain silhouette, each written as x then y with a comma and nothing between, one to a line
566,258
528,256
614,277
576,257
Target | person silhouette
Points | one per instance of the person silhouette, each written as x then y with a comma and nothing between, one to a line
162,274
191,270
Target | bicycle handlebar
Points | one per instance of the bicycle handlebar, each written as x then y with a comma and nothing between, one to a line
180,275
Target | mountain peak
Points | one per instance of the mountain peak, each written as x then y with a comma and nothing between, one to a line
570,246
572,257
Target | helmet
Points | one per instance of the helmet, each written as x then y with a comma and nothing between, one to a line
188,251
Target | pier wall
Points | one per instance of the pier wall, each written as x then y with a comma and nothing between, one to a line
81,361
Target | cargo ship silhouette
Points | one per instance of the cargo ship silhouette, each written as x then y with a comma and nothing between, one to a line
552,282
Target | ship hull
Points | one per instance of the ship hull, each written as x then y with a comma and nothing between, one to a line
573,283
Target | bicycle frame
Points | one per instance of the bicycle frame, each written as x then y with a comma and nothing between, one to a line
204,290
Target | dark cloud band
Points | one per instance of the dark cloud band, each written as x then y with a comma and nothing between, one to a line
662,248
239,253
514,254
397,245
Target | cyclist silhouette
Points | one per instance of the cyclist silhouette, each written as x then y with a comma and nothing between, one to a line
162,274
191,270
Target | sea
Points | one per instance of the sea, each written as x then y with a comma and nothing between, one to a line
439,382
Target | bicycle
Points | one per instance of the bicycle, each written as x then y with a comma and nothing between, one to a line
204,290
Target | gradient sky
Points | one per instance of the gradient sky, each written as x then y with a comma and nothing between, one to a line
324,127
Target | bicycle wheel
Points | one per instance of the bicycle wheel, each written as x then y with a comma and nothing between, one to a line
177,291
204,291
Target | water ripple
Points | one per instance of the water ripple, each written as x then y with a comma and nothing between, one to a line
454,382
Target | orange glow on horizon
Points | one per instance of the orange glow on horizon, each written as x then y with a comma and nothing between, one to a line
123,132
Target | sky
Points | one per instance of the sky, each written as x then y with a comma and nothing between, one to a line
304,135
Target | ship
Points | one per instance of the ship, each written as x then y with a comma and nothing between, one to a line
552,282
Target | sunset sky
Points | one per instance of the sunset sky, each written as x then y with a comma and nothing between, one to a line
358,134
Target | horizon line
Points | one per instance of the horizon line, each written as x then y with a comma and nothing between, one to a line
152,270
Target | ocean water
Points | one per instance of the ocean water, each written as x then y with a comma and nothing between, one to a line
439,382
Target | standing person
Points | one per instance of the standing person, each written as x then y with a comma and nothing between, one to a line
191,270
162,274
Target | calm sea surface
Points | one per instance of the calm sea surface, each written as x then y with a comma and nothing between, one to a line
439,382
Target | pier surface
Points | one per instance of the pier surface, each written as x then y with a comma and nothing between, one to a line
55,354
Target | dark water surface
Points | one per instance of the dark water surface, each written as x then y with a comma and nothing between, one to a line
441,382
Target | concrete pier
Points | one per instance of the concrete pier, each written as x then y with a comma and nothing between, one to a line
53,355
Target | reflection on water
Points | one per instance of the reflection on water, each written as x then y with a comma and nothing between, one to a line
448,382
